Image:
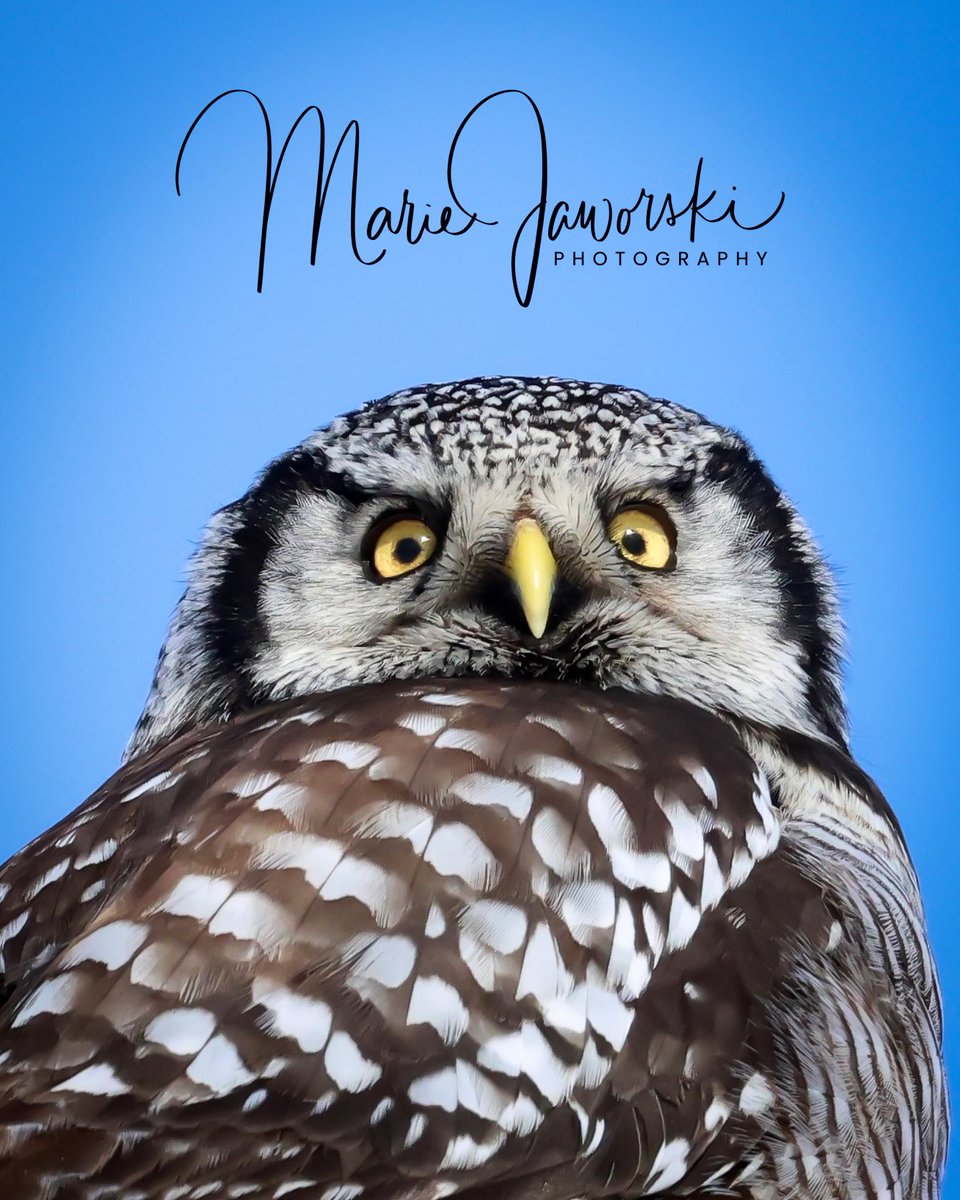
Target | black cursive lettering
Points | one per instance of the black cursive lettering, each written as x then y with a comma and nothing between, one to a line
543,221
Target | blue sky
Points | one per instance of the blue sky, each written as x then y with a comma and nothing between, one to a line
144,380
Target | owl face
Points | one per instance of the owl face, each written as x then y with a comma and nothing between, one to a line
510,527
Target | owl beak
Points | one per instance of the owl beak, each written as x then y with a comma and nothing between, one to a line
533,570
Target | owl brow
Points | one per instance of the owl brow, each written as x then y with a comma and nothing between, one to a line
431,507
673,486
309,471
387,495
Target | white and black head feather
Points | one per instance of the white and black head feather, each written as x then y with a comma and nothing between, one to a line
278,603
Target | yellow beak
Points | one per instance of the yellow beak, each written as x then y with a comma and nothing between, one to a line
532,567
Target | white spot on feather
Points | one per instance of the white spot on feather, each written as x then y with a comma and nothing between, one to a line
463,1153
435,1002
51,875
591,1004
581,1114
500,925
421,723
597,1138
56,995
346,1066
610,818
250,785
12,928
756,1096
219,1067
381,893
527,1052
704,781
349,754
717,1112
324,1101
686,831
554,723
589,905
388,960
542,973
758,841
293,1015
594,1067
254,1100
669,1166
98,1080
568,1013
155,783
654,931
112,944
436,922
436,1090
98,854
479,960
454,849
623,948
253,917
476,1092
197,896
552,769
314,856
485,790
396,820
713,884
415,1130
741,865
181,1030
341,1191
559,848
462,739
94,889
521,1116
684,920
291,799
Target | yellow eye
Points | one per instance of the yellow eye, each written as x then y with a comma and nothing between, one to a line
645,536
399,546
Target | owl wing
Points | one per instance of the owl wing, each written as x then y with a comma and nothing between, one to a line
52,889
406,940
855,1027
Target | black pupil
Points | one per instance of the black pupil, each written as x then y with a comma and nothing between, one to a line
634,542
407,550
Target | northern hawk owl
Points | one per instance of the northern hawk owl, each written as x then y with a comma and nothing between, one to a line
490,828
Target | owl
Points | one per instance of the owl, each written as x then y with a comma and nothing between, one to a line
490,828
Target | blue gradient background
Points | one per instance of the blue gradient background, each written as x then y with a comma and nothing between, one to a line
144,381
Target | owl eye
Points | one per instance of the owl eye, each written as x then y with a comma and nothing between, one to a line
645,536
397,545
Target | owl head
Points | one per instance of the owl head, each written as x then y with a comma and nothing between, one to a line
514,527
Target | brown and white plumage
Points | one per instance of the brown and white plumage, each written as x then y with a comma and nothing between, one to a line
433,932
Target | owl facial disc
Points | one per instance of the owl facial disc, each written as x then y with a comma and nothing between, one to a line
511,527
